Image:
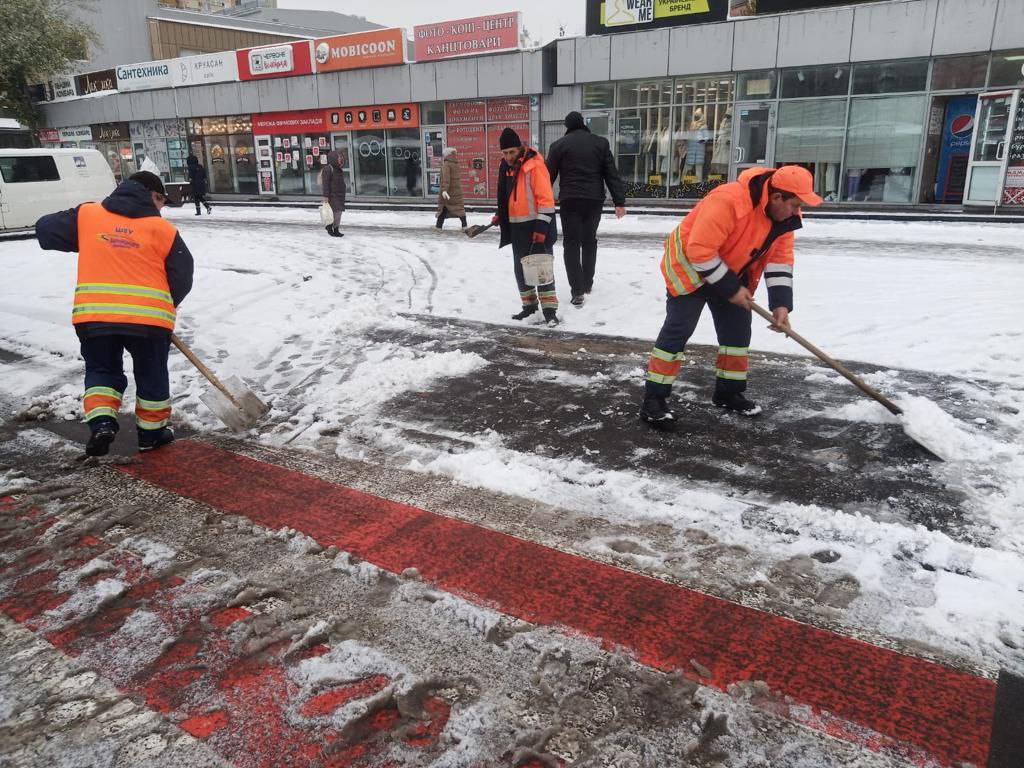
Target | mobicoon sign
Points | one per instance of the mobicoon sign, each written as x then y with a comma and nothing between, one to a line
376,48
138,77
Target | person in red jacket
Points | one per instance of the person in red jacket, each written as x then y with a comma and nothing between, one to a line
716,257
133,271
526,215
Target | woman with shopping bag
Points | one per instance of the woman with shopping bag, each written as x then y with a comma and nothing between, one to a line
332,184
450,201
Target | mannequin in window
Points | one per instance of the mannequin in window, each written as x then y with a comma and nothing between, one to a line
721,151
698,139
680,147
658,150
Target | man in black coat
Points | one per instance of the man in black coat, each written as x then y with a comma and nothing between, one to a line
583,164
197,182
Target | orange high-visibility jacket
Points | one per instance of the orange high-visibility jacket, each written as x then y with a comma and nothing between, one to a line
727,232
122,277
531,198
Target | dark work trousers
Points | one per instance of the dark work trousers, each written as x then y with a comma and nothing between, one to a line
105,381
522,244
732,325
580,219
197,199
445,215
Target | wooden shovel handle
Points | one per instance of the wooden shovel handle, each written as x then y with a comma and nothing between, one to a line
834,364
210,375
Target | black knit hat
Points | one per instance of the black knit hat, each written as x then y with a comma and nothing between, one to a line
150,181
574,121
509,139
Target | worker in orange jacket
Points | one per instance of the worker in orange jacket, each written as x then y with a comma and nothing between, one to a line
716,256
133,271
526,215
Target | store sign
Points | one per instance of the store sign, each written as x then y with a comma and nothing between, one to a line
279,123
456,112
739,9
466,37
94,82
111,132
144,77
508,110
204,69
275,61
75,133
48,135
629,15
374,116
64,87
377,48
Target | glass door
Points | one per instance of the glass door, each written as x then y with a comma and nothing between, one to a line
988,149
371,163
753,139
341,143
243,164
600,123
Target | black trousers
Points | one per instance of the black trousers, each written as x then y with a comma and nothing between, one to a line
732,326
580,219
197,199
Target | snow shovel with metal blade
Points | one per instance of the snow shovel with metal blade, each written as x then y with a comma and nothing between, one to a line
476,229
863,386
232,402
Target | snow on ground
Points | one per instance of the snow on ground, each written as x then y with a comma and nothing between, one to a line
281,304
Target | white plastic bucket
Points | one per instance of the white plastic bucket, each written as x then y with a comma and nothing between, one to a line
538,268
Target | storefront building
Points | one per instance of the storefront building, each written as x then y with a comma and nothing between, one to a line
886,102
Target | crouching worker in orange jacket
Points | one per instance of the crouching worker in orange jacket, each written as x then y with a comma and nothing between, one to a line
526,215
716,257
133,271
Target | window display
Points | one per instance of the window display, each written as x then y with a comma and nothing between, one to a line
882,148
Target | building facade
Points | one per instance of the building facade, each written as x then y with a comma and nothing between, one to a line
886,102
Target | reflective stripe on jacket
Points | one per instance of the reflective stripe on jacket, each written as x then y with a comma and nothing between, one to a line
729,232
531,198
122,277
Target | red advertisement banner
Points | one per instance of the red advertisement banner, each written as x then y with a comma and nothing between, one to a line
465,112
466,37
494,151
282,60
470,142
304,121
376,48
508,110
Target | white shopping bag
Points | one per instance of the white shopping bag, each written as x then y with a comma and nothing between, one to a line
326,214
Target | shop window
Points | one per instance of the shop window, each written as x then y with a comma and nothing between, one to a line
959,73
882,148
701,139
18,170
810,82
238,123
810,133
598,96
1007,69
643,143
404,167
755,86
370,163
432,113
644,93
890,77
213,126
705,90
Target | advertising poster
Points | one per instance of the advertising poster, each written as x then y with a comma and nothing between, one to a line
514,109
957,130
739,9
467,37
456,112
283,60
494,151
470,142
1013,186
604,16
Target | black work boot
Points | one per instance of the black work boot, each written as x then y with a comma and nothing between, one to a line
735,401
330,229
577,300
655,411
527,310
100,440
551,317
149,441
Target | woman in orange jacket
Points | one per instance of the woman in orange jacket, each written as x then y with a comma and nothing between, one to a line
716,256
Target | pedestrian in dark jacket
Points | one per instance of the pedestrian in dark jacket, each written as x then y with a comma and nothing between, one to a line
332,186
583,165
197,182
133,272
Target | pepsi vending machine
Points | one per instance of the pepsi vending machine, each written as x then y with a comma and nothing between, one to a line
958,128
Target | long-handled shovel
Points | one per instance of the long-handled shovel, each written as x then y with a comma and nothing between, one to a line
476,229
232,402
863,386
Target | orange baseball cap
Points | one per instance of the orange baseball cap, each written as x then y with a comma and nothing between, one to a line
798,180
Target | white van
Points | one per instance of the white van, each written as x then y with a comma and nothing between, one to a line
35,182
